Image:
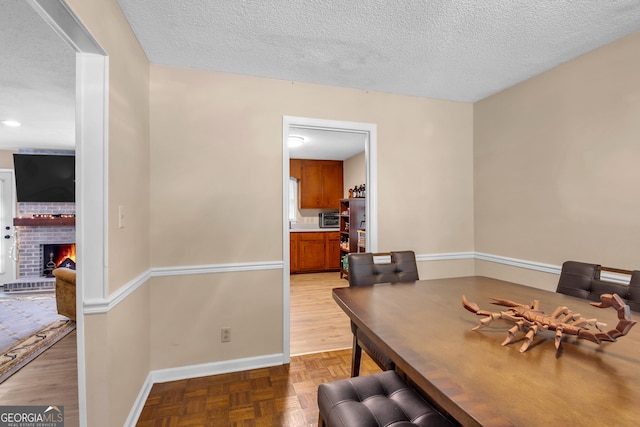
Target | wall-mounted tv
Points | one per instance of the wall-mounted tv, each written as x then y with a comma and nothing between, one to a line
45,178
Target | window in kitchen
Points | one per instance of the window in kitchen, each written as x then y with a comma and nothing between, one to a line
293,198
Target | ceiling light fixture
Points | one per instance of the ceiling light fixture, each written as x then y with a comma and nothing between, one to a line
11,123
295,141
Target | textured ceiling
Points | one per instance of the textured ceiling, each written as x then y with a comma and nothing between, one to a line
37,81
461,50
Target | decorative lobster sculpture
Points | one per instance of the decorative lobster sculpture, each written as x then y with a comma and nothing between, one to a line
562,320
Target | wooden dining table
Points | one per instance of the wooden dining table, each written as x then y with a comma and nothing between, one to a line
427,332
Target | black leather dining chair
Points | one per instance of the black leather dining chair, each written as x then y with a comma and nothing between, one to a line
582,280
364,270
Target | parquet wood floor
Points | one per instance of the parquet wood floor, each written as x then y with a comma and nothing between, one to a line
270,397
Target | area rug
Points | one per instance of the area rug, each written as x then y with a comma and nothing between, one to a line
23,314
23,352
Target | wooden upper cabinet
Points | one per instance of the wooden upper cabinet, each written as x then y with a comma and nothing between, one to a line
333,189
321,183
295,168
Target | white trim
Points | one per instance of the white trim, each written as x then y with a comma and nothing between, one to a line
445,256
59,16
520,263
216,268
138,404
286,281
91,195
11,271
618,278
195,371
544,268
215,368
103,305
371,201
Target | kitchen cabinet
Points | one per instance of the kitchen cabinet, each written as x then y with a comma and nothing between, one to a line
311,251
332,251
320,182
351,220
314,251
295,168
293,252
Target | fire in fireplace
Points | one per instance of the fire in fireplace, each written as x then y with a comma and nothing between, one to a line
58,255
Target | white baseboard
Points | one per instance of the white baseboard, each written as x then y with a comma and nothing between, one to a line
138,405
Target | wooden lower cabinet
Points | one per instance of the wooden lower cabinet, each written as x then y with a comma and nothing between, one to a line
332,252
312,252
293,252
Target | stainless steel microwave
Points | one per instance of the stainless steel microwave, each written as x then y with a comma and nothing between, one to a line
329,219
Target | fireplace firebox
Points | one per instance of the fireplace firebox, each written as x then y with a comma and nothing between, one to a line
58,255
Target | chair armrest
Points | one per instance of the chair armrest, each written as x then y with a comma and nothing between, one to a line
65,274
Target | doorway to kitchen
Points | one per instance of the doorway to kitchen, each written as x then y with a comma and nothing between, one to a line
294,126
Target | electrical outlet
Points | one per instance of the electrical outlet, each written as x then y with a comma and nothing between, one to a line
225,334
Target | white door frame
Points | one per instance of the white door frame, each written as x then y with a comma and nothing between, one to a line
8,266
92,90
369,130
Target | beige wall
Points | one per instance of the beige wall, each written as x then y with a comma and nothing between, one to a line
556,175
6,159
217,151
189,311
118,342
216,175
354,172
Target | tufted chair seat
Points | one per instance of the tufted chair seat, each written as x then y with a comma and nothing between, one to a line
365,271
382,399
582,280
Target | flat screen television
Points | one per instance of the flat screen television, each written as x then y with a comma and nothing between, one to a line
45,178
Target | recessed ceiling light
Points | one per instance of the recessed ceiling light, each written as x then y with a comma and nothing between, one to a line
295,141
11,123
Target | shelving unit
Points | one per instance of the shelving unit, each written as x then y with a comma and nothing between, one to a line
351,216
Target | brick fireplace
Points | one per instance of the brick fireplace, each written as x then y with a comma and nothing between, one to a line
32,235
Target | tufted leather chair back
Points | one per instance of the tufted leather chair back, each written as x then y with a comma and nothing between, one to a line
582,280
363,271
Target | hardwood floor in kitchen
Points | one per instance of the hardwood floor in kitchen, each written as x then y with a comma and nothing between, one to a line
317,323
